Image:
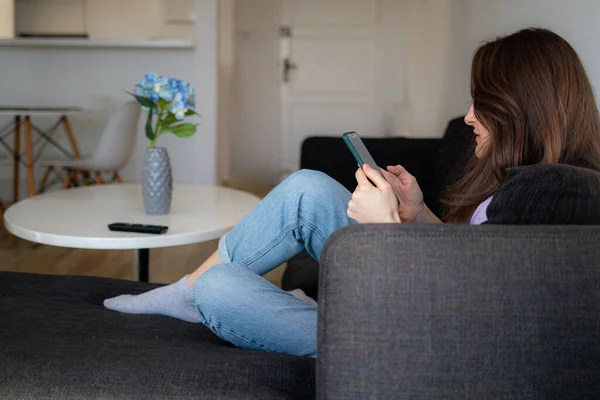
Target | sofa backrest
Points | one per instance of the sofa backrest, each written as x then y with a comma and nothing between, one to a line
547,194
331,156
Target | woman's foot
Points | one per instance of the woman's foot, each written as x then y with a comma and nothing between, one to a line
175,300
300,295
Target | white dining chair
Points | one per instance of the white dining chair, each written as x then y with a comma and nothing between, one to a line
112,153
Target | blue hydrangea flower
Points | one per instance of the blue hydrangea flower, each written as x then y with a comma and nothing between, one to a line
171,98
166,95
178,95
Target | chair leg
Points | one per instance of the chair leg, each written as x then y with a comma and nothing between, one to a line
67,181
44,179
75,177
16,160
69,132
2,228
99,179
117,178
29,157
86,178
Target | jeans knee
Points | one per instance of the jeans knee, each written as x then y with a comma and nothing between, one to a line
307,177
312,183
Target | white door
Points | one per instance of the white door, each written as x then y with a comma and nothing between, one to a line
327,55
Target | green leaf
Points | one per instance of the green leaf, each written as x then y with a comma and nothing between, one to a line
143,101
149,131
168,121
183,130
191,112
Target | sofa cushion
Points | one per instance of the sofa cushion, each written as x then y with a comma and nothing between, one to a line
547,194
58,341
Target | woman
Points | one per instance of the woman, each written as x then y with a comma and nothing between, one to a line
532,104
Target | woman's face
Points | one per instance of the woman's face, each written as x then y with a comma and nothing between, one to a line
482,135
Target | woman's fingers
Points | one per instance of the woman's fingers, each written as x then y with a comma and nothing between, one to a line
396,169
388,176
361,178
374,176
401,173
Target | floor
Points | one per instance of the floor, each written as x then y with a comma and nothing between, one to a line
166,265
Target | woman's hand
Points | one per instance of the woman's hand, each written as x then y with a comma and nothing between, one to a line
407,190
372,204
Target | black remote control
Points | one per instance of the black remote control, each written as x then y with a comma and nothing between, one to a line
138,228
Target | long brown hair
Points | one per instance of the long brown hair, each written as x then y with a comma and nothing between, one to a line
531,92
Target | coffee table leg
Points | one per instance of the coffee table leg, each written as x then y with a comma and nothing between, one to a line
143,261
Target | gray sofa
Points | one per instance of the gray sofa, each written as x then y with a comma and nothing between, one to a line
506,310
460,312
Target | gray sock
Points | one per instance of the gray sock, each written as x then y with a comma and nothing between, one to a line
300,295
175,300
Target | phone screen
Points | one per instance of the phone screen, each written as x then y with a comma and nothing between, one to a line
359,151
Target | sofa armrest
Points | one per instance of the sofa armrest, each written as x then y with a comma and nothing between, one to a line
478,312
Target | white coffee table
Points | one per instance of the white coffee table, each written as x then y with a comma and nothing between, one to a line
79,218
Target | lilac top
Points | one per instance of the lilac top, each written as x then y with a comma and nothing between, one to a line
480,214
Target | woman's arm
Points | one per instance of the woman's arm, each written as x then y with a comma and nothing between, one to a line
426,217
412,208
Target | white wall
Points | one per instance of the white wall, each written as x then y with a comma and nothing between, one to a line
575,20
429,57
391,67
226,89
465,25
256,136
69,76
201,166
7,25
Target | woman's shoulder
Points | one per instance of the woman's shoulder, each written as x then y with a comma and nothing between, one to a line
547,194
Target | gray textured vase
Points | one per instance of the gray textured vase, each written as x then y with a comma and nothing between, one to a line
157,182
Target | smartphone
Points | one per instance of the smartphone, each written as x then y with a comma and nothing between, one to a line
359,151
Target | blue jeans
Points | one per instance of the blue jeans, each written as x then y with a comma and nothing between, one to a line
243,308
